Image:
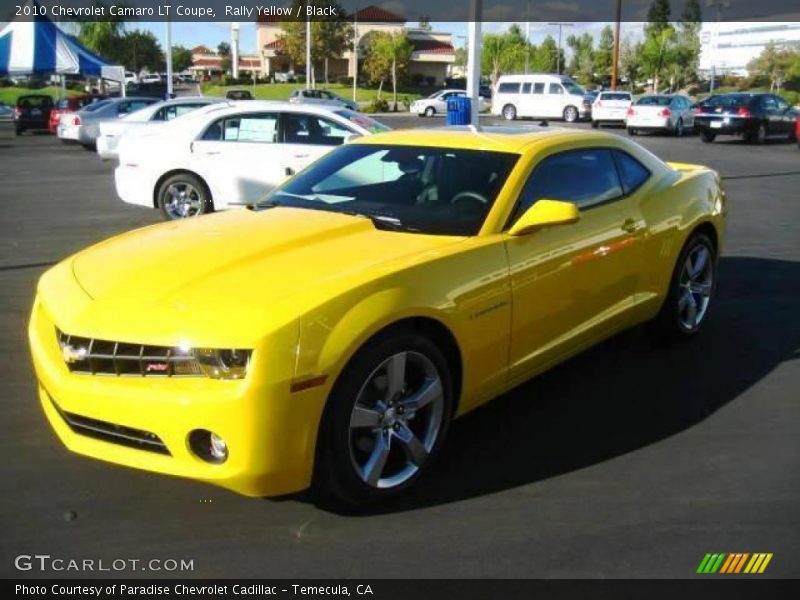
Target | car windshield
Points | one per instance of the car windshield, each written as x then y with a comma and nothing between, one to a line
573,88
654,101
364,121
728,100
614,96
437,191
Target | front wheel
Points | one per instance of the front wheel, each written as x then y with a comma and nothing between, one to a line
430,111
679,128
571,114
386,419
183,196
691,290
632,131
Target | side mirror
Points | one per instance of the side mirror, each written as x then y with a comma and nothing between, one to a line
545,212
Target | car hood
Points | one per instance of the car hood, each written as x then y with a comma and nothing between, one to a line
242,260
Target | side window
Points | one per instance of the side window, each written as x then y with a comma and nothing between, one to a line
555,88
632,173
585,177
257,127
310,129
508,88
538,88
526,88
123,108
160,115
781,103
768,102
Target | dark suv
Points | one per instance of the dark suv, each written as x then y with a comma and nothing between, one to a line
754,116
32,112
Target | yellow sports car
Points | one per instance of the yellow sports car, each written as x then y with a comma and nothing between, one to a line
327,336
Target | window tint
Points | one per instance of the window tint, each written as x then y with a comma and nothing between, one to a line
258,127
585,177
782,104
310,129
508,88
526,88
615,96
555,88
632,173
654,101
538,88
126,108
167,113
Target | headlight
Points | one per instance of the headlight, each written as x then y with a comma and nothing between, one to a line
223,364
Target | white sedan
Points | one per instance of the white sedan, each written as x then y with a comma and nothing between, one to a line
112,131
228,155
436,103
611,107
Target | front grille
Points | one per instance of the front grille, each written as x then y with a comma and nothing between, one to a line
110,432
103,357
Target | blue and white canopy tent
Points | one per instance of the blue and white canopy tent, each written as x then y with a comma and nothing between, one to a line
39,47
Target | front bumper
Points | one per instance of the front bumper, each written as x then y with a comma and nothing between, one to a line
270,433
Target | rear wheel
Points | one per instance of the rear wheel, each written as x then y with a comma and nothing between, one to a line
183,196
759,136
691,290
509,112
595,124
679,128
707,136
386,419
632,131
571,114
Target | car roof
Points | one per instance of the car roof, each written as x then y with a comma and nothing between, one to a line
235,107
497,139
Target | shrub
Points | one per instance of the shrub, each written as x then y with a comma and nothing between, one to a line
4,82
344,80
378,105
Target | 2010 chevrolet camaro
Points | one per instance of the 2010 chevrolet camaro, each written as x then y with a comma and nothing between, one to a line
328,335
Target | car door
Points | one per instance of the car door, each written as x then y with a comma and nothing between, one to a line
239,157
573,284
784,116
306,137
555,100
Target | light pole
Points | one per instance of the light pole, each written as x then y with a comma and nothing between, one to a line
355,55
169,59
560,30
235,50
308,53
474,59
615,51
527,34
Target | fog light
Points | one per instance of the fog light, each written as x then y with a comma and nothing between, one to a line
208,446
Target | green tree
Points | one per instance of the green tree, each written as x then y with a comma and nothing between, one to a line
630,60
776,63
545,56
687,51
181,58
387,58
224,51
658,51
604,54
502,53
102,37
657,17
581,65
141,50
425,23
330,37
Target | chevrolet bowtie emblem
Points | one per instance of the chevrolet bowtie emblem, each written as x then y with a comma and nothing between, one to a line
72,354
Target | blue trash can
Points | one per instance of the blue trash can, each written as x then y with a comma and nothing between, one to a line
459,110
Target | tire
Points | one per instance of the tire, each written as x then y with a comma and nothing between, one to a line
707,136
571,114
89,147
509,112
759,136
679,128
595,124
183,196
632,131
347,448
691,291
429,112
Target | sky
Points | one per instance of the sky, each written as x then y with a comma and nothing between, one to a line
211,34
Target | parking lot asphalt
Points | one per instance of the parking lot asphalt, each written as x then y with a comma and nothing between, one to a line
631,460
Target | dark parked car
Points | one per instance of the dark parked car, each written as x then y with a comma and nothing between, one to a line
238,95
797,129
754,116
32,112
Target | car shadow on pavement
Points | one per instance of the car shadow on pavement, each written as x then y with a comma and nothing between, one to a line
623,395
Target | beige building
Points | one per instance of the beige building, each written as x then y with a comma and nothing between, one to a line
431,61
206,62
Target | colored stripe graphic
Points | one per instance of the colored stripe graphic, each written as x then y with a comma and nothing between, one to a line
711,563
734,563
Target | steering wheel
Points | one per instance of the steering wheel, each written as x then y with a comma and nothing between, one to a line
469,198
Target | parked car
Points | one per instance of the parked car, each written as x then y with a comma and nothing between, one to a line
539,96
111,131
328,336
436,103
84,126
321,97
797,129
660,112
611,107
284,77
239,95
32,112
6,113
228,155
150,78
69,104
753,116
131,77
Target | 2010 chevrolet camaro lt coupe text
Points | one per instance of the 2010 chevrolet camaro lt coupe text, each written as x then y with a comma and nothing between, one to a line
326,337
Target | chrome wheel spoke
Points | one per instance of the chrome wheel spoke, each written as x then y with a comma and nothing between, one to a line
700,262
364,417
412,446
430,391
396,376
691,311
684,300
702,289
373,469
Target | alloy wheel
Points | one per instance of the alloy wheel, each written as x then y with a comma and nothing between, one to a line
182,200
696,284
396,420
570,114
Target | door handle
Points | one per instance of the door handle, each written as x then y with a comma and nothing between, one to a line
301,156
631,225
213,153
289,171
